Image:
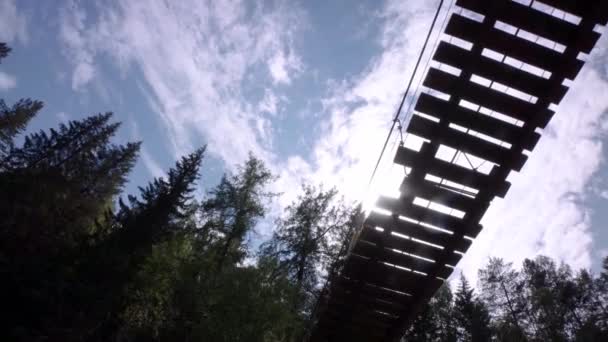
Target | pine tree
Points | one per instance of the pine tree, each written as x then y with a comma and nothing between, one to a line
301,243
234,208
4,50
136,263
301,238
56,187
470,314
443,308
13,121
436,322
339,245
63,182
545,284
501,289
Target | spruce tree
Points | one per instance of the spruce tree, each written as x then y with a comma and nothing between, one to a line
4,50
63,182
234,207
502,290
470,314
135,264
301,239
13,121
545,285
57,186
301,243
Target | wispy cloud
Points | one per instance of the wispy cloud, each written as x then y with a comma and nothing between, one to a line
283,65
359,110
79,44
7,81
13,25
197,64
150,163
63,117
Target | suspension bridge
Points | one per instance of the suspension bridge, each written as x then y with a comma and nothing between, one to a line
499,77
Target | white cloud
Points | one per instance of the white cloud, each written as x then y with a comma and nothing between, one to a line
359,111
63,117
195,64
604,193
78,44
151,164
7,81
13,26
282,66
269,103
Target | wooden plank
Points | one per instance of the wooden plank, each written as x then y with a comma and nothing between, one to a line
387,276
518,48
368,249
347,295
346,284
333,327
444,110
358,300
593,10
415,230
406,245
429,216
451,172
365,317
466,143
487,97
358,303
434,192
534,21
499,72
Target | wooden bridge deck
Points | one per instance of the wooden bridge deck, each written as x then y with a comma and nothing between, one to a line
399,261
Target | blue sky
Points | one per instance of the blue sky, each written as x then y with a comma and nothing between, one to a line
309,87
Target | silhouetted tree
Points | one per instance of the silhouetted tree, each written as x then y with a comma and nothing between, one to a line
13,121
234,207
55,188
502,290
436,320
471,316
302,242
4,50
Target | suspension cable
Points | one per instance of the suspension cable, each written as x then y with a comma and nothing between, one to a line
398,113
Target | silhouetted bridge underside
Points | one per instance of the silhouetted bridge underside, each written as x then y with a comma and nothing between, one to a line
507,64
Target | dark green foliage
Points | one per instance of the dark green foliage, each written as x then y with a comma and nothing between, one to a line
13,121
302,241
436,322
165,266
234,207
470,314
4,50
540,302
162,266
56,187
